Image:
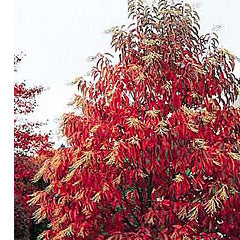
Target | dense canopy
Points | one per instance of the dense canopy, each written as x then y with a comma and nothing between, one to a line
28,142
153,150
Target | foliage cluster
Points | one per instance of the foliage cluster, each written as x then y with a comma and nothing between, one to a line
154,151
27,145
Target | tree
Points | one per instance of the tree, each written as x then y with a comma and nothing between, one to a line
154,151
27,144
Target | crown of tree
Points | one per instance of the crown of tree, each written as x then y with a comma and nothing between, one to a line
154,151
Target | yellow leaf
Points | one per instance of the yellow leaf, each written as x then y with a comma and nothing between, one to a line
161,128
178,178
134,122
96,197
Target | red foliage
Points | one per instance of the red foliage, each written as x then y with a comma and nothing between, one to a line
27,145
154,150
27,142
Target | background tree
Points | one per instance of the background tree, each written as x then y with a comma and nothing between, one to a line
154,149
27,144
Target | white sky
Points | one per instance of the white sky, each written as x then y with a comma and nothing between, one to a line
59,35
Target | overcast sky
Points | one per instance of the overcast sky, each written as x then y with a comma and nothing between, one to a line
59,35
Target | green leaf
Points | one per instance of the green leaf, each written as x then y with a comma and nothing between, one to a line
188,172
